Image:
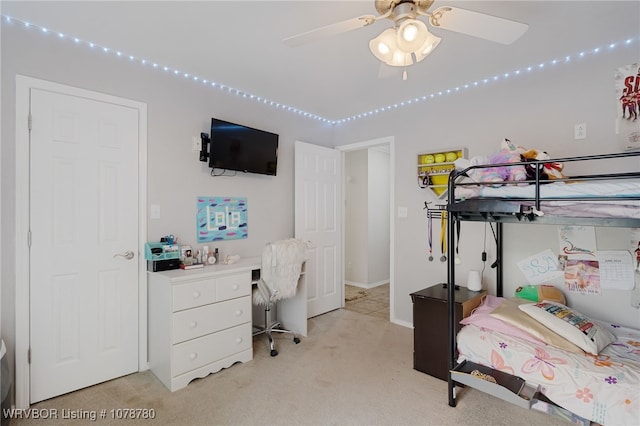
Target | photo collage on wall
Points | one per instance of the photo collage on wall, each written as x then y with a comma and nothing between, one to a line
588,270
580,267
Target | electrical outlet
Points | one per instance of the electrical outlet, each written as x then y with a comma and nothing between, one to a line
580,131
402,212
196,143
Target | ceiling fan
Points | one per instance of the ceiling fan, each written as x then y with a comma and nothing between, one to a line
408,41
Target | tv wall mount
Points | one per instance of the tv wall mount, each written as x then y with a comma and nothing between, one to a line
204,147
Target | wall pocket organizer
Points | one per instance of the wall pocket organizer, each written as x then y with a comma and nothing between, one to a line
434,168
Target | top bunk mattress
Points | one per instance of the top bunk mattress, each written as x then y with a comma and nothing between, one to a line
618,198
618,188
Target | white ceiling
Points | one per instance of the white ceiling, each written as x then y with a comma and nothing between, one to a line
239,44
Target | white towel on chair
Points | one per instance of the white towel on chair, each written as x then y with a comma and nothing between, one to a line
281,267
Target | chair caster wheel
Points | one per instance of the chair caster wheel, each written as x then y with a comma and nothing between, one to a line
296,340
274,352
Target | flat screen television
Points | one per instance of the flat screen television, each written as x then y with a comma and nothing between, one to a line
241,148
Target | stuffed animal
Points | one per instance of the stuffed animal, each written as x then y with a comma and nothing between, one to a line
548,171
509,153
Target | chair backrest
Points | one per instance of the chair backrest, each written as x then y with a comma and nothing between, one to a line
281,268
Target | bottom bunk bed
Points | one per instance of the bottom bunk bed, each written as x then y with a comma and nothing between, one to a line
602,384
602,388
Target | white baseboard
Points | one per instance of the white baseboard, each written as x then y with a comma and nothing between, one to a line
402,323
367,286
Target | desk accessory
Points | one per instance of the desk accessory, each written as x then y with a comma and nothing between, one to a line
161,251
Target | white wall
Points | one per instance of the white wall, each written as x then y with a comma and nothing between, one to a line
538,110
356,217
367,219
177,110
378,206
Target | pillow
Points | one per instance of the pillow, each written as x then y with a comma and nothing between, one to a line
480,317
509,312
584,332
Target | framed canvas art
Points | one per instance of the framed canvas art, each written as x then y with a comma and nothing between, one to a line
221,218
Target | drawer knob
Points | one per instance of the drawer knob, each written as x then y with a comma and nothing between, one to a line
196,294
239,340
193,324
239,312
236,286
193,355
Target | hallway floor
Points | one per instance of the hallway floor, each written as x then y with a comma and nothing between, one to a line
372,301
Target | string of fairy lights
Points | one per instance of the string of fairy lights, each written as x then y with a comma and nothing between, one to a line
278,105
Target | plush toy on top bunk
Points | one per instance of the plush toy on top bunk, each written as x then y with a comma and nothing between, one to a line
548,171
509,153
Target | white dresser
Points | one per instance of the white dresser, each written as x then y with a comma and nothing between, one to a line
199,321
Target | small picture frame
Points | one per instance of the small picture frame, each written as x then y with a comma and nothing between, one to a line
185,251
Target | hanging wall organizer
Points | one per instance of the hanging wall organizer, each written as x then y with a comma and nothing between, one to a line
434,169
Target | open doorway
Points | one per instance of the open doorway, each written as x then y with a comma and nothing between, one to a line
367,191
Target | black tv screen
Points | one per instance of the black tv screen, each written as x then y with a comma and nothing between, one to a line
241,148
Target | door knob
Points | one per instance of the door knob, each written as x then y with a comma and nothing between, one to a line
127,255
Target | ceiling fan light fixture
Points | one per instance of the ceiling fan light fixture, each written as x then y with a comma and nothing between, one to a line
400,59
384,45
412,34
427,48
430,45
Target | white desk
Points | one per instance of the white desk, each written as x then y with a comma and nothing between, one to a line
200,320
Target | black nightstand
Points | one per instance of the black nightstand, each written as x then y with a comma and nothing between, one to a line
430,326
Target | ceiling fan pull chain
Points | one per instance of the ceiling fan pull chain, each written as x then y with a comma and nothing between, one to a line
404,75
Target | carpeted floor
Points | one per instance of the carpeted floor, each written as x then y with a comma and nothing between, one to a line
351,369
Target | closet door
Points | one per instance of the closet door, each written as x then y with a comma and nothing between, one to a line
84,242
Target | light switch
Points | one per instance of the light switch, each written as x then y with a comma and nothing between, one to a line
155,211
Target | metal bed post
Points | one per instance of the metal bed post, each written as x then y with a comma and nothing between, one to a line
451,295
499,268
451,290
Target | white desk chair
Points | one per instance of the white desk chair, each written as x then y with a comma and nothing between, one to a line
281,268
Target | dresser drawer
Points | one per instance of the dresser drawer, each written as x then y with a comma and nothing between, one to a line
193,294
196,322
195,353
233,286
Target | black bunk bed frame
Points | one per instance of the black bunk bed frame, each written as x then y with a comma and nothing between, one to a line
500,210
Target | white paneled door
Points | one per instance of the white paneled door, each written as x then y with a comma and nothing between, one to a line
318,184
84,242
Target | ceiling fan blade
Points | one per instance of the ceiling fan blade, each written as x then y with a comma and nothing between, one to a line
329,30
476,24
